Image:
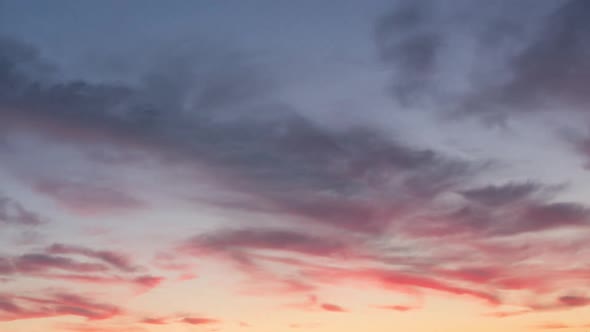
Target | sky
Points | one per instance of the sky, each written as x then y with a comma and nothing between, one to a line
266,166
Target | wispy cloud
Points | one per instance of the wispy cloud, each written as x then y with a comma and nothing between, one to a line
52,305
14,213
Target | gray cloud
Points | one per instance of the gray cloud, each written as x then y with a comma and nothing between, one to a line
500,195
112,258
224,119
269,239
405,42
12,212
88,198
524,57
501,210
31,263
552,71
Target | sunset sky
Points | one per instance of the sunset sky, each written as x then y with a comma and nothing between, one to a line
309,165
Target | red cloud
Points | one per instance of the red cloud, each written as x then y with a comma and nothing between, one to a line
199,320
400,281
332,307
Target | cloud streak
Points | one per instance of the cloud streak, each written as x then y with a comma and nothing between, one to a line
53,305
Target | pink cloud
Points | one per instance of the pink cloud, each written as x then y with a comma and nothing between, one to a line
398,307
553,326
332,307
14,307
199,320
156,320
179,319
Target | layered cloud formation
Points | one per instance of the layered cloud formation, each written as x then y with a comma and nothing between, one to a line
204,172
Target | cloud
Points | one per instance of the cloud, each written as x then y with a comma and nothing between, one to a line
503,314
313,303
497,62
267,239
494,195
515,59
253,252
141,283
180,319
574,301
504,210
559,302
199,321
54,258
148,282
335,192
581,145
173,262
14,307
543,75
401,308
14,213
156,320
88,199
112,258
35,263
332,307
391,279
94,327
402,282
353,178
556,214
553,326
403,42
476,258
559,325
60,262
